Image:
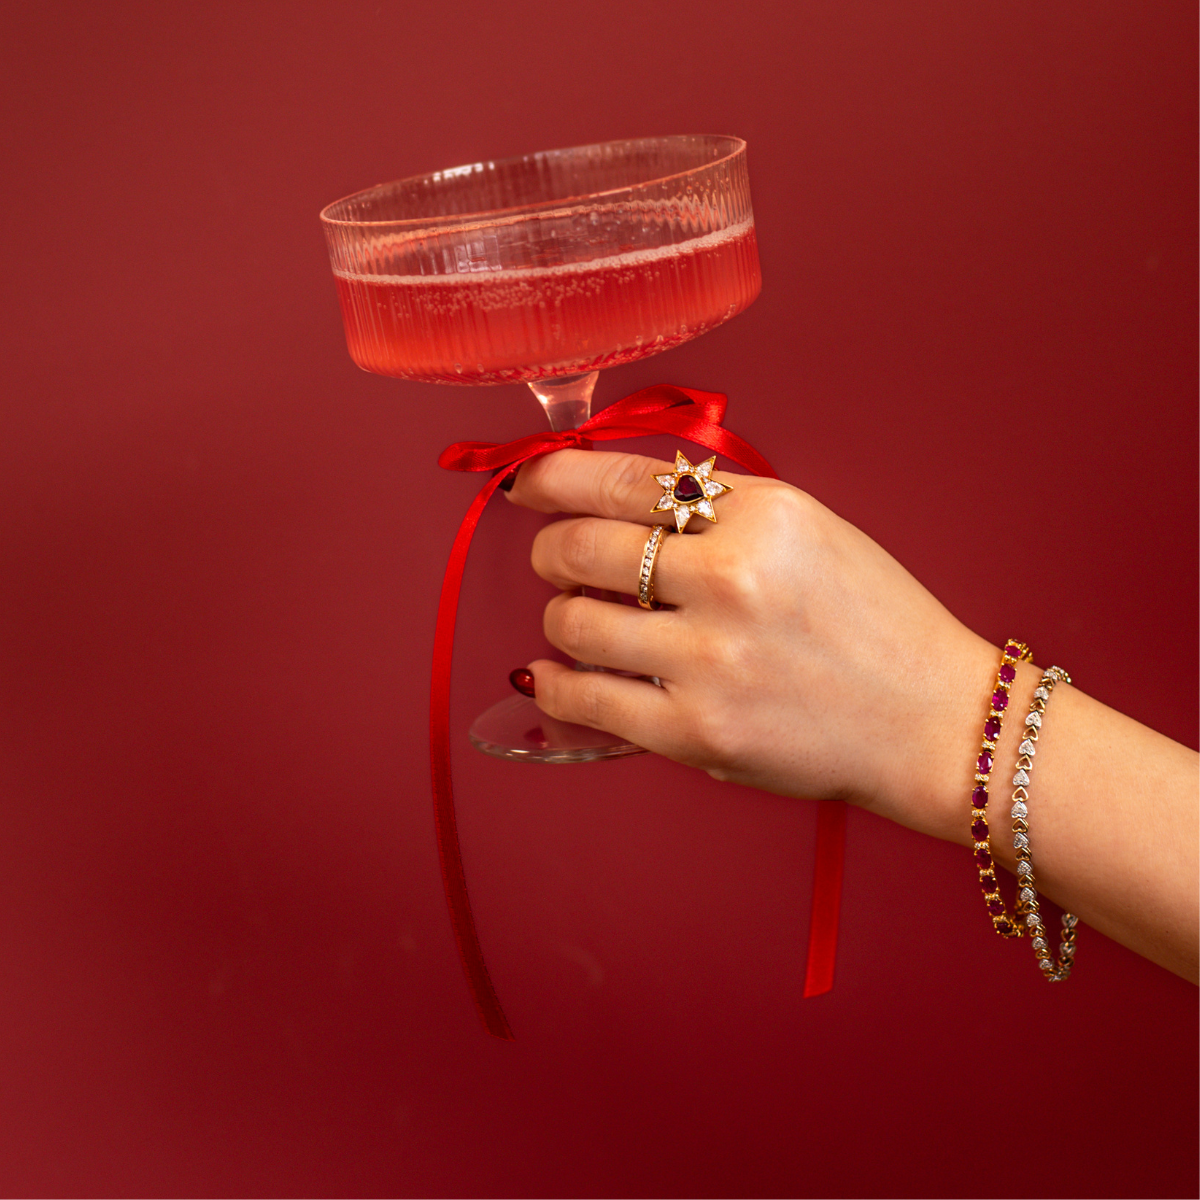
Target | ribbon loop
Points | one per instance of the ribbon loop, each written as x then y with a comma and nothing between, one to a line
664,408
686,413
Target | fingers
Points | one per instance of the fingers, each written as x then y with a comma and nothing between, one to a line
631,708
610,635
590,552
587,481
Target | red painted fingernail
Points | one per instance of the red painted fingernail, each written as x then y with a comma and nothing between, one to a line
506,484
522,680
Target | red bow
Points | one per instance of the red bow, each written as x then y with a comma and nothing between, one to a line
682,412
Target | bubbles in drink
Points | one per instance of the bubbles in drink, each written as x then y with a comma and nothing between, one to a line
548,317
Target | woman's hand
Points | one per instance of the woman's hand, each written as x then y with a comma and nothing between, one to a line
798,656
801,658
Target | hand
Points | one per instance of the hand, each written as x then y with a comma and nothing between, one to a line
798,656
801,658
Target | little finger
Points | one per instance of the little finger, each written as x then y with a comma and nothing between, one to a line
630,708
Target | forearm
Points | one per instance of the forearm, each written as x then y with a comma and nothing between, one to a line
1113,809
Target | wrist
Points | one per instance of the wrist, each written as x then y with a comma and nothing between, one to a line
930,788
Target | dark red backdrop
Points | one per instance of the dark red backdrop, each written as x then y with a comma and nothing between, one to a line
226,962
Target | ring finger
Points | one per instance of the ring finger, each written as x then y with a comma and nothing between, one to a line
591,552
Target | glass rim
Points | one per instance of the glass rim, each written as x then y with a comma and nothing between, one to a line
736,146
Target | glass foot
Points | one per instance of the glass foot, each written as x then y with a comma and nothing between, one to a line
516,728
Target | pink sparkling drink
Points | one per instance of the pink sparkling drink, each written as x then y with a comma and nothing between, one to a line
496,325
545,267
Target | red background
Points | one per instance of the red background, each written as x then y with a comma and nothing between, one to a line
227,965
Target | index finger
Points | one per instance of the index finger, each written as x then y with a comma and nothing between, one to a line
617,486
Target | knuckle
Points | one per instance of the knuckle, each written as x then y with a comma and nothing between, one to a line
567,622
785,506
795,520
701,738
745,573
578,548
550,694
737,576
718,728
721,735
713,654
623,477
592,702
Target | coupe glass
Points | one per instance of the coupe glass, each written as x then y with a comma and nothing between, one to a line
544,270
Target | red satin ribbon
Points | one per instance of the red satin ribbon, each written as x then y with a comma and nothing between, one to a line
684,413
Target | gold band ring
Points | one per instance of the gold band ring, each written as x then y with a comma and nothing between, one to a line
658,534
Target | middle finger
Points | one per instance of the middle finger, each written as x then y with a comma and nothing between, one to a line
591,552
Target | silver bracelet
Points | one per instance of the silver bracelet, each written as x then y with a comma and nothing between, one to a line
1027,898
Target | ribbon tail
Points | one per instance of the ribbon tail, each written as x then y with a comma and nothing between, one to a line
449,852
827,898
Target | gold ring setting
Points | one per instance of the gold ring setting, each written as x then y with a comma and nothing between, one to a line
689,491
645,597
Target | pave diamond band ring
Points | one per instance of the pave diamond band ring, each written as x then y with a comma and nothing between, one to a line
645,595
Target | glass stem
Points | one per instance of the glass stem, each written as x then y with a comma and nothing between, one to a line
568,401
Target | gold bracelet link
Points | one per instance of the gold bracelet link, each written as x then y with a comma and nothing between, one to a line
1013,653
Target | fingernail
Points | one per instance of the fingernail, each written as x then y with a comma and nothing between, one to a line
522,680
506,484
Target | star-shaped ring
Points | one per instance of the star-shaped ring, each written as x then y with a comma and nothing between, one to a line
689,491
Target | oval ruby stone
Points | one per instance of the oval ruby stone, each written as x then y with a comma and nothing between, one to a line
991,729
984,763
982,857
1007,673
1012,650
687,489
979,797
996,906
1003,927
999,700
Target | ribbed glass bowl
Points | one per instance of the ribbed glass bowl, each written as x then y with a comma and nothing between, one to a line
548,265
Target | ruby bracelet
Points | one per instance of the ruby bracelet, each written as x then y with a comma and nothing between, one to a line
1013,653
